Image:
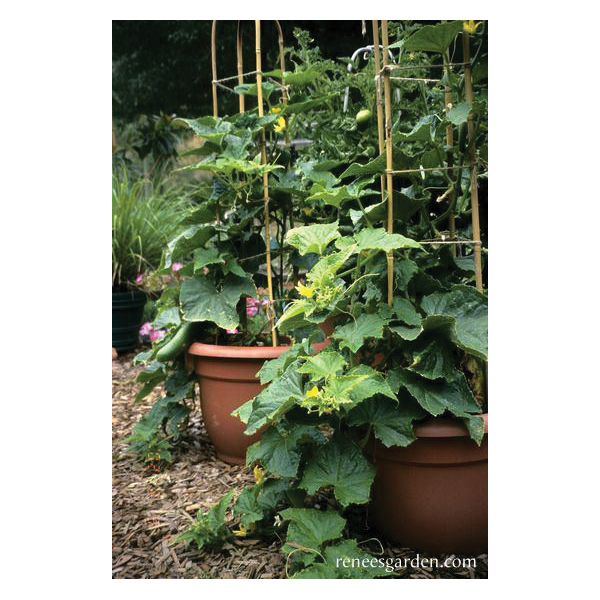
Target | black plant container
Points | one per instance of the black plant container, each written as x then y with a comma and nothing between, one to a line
127,315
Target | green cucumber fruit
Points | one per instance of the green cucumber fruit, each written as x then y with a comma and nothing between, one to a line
178,344
363,117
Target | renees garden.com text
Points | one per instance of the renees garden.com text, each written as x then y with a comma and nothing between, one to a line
395,564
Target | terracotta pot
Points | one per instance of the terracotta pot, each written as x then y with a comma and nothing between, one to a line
327,327
227,378
432,495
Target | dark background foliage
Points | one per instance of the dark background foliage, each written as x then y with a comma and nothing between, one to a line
164,66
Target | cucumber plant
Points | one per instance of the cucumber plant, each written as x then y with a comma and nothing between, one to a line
217,293
387,366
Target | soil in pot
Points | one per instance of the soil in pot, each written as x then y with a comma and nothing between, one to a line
432,495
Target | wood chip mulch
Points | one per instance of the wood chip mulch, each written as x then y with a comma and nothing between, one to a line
150,509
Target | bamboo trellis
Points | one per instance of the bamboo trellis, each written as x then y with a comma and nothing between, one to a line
384,73
472,156
449,144
218,82
379,102
387,94
259,76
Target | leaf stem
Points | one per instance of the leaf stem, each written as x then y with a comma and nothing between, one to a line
365,439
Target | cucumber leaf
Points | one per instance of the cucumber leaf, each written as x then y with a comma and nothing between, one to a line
433,360
336,556
400,161
433,38
212,129
207,256
186,242
458,114
310,528
312,238
405,311
468,308
392,423
278,450
354,334
341,464
201,301
298,78
374,383
437,396
323,365
380,239
273,402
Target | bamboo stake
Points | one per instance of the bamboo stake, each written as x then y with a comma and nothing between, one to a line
240,65
286,140
263,152
389,160
213,55
474,194
449,144
284,92
378,96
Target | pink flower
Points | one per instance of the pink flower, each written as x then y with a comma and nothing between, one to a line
157,334
232,331
139,279
176,267
205,270
146,329
252,307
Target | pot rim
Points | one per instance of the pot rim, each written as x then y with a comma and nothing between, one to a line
217,351
443,427
131,294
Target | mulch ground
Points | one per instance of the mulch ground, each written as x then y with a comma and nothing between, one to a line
151,509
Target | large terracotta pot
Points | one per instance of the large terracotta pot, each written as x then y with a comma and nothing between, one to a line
432,495
227,378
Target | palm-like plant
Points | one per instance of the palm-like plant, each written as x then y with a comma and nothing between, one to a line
144,218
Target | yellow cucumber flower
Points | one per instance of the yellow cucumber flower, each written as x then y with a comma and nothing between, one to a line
275,111
312,393
259,474
280,126
305,290
243,531
471,26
